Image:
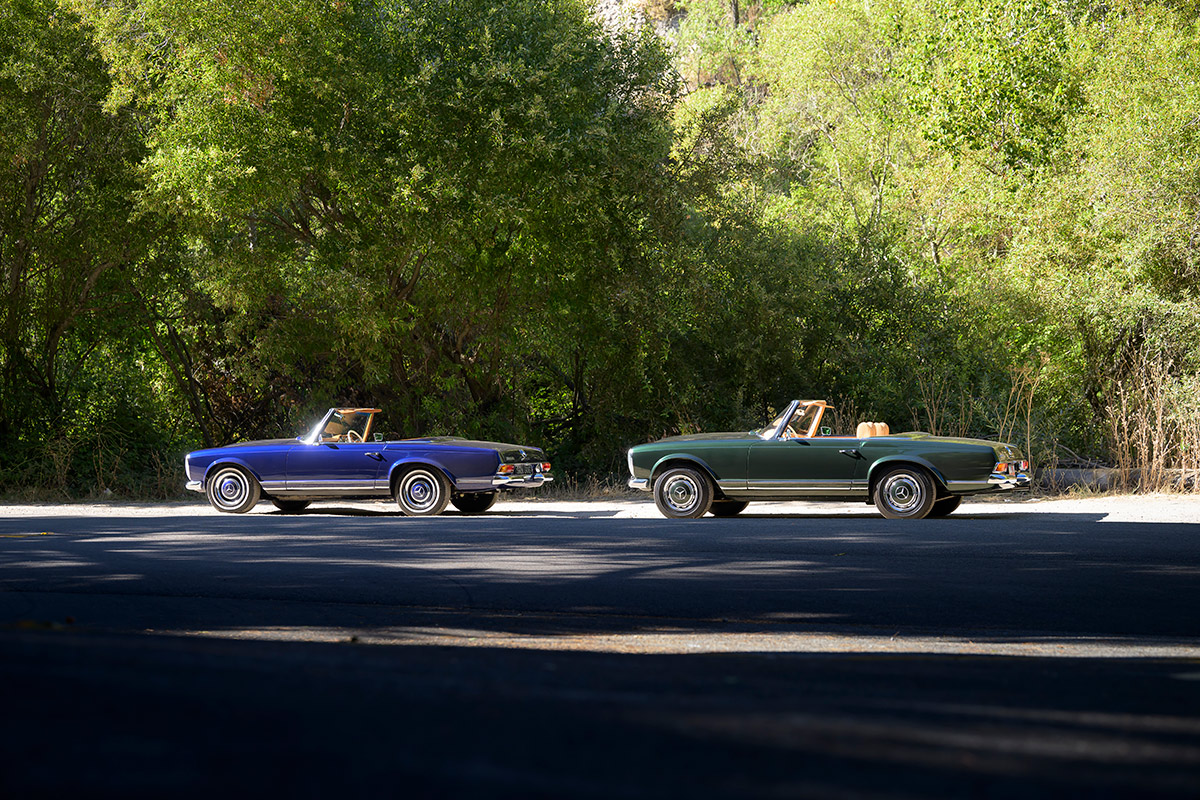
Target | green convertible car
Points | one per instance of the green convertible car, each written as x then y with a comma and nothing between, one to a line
906,475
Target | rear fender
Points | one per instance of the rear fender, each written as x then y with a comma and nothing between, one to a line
887,462
412,461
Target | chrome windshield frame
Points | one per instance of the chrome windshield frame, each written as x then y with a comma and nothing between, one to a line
314,436
784,419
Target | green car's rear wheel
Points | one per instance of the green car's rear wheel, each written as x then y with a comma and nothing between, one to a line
728,508
683,493
945,506
905,493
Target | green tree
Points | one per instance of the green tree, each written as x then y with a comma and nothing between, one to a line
428,202
71,243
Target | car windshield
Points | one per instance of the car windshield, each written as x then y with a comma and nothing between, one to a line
807,416
345,425
772,426
802,423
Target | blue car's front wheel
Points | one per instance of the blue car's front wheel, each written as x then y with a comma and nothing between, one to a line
422,492
232,490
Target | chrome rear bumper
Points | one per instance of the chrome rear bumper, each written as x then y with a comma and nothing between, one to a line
510,481
1004,482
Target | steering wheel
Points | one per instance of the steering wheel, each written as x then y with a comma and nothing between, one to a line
788,433
353,436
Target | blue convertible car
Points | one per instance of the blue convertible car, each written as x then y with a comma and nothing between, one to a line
343,458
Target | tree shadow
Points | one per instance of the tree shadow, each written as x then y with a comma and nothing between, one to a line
1051,576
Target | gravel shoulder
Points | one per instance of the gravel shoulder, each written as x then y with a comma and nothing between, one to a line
1165,508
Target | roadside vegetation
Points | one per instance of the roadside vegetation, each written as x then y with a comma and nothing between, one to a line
971,217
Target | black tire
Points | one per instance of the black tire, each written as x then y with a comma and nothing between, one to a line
945,506
727,508
422,492
232,490
473,503
905,493
683,493
289,506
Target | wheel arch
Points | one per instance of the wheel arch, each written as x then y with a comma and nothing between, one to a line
682,460
231,462
399,467
886,463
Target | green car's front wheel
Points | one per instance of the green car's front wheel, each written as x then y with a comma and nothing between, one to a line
683,493
905,493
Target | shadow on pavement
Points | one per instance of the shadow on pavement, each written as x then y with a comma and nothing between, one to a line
1064,575
214,717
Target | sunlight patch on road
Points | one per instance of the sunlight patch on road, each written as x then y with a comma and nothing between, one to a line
677,642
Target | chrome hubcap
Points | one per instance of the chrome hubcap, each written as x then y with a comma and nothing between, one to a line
681,493
902,492
419,491
231,489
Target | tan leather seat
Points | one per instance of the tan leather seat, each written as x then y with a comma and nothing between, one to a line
866,430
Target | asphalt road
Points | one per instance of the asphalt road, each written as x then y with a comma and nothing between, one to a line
597,650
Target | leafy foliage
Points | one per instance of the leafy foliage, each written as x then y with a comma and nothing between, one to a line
508,220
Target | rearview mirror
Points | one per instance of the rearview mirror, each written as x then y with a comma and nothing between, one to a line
379,437
826,431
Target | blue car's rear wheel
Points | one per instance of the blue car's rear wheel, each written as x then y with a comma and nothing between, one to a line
232,490
905,493
683,493
422,492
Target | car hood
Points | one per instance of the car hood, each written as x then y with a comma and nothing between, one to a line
237,445
706,437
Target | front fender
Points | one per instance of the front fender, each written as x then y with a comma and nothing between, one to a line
894,460
226,461
688,457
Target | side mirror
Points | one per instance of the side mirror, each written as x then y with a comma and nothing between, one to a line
826,431
379,437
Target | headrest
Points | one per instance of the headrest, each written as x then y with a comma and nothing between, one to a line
866,430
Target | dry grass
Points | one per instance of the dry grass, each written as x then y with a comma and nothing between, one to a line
590,488
1154,428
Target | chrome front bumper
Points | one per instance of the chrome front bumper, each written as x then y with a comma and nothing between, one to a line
194,486
510,481
640,483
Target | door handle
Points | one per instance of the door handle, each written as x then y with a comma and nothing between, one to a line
851,452
376,456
